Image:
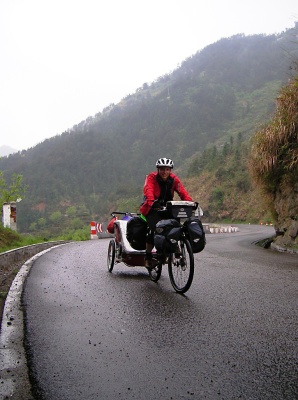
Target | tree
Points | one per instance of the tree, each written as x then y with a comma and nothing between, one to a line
55,216
14,191
42,222
71,211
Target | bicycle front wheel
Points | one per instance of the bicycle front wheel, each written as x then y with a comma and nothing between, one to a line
181,267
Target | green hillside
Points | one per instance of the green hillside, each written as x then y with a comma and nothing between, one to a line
201,115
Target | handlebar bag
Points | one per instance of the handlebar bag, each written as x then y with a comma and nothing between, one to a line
167,234
195,233
136,233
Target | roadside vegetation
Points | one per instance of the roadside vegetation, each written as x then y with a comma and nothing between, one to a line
10,239
274,151
274,164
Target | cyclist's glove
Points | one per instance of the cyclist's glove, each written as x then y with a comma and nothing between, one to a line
156,205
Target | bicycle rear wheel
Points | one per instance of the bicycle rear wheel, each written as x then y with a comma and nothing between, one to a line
155,272
181,268
111,255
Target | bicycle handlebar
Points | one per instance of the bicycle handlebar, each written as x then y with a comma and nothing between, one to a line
122,213
158,207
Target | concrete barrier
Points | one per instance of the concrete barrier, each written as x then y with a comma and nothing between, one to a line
98,231
219,229
15,255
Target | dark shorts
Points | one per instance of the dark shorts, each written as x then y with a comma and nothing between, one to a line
152,219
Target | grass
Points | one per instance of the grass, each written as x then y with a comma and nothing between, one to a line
10,239
75,234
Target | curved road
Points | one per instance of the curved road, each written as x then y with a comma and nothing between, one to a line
95,335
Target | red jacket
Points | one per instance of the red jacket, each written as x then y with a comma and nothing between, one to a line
152,191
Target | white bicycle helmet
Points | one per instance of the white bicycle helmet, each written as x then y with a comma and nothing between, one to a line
164,162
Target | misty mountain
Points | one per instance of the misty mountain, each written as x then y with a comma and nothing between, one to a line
6,150
226,89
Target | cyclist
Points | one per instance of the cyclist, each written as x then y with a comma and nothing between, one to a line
159,188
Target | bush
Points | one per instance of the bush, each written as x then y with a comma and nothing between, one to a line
274,149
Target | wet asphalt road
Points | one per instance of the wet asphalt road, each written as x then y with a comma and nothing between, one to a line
234,335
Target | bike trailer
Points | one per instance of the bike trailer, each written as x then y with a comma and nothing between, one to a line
195,233
127,254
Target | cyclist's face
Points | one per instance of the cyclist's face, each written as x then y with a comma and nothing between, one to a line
164,172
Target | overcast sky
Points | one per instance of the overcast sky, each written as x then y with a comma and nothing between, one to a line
64,60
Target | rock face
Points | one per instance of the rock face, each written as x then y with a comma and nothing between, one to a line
286,205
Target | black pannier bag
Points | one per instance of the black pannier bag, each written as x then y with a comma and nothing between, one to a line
195,234
167,233
136,233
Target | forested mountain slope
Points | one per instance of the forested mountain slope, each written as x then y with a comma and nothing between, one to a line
226,90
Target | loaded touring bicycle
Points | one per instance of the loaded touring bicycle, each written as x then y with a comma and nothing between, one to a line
178,235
